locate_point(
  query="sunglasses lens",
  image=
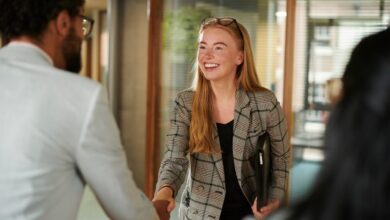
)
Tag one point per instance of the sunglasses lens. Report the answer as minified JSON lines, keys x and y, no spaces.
{"x":210,"y":20}
{"x":222,"y":21}
{"x":226,"y":21}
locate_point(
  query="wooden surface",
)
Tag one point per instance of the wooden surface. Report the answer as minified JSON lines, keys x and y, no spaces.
{"x":155,"y":8}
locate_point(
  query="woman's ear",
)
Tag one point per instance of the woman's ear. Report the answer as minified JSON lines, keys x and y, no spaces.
{"x":240,"y":58}
{"x":63,"y":23}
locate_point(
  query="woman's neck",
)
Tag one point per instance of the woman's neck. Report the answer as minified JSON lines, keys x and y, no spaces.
{"x":224,"y":101}
{"x":224,"y":91}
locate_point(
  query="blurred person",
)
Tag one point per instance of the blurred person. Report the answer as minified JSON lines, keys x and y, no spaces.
{"x":214,"y":130}
{"x":332,"y":89}
{"x":57,"y":132}
{"x":354,"y":181}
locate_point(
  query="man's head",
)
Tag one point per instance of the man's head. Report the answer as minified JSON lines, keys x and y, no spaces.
{"x":55,"y":25}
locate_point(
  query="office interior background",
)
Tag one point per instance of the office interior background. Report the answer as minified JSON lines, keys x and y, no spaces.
{"x":143,"y":52}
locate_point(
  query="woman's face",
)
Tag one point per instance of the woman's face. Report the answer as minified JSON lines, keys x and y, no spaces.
{"x":218,"y":54}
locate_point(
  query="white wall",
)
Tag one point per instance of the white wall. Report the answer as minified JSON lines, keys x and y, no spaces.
{"x":132,"y":76}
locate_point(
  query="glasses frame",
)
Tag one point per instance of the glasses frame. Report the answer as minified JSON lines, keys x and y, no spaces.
{"x":224,"y":21}
{"x":90,"y":21}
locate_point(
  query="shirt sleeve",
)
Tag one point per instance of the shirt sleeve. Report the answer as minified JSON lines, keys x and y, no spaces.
{"x":102,"y":163}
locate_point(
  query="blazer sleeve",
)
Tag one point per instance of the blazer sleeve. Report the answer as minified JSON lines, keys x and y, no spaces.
{"x":280,"y":149}
{"x":175,"y":162}
{"x":101,"y":160}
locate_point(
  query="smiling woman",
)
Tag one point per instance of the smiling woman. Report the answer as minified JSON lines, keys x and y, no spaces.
{"x":214,"y":128}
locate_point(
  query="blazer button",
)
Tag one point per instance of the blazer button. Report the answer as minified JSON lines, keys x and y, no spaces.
{"x":200,"y":188}
{"x":219,"y":192}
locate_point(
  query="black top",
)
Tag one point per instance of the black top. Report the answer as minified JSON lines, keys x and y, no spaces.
{"x":235,"y":206}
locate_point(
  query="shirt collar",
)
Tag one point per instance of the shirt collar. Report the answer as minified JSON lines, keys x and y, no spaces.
{"x":32,"y":46}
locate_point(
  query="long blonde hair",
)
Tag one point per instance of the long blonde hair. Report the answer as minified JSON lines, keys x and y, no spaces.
{"x":202,"y":123}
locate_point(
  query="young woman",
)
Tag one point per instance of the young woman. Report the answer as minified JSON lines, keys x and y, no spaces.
{"x":215,"y":128}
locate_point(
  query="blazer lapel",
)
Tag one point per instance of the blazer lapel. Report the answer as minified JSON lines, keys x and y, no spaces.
{"x":240,"y":130}
{"x":217,"y":158}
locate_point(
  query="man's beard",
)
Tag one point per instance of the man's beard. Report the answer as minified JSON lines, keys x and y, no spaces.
{"x":71,"y":50}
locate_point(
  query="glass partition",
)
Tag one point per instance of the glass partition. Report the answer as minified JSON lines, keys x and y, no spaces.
{"x":265,"y":21}
{"x":326,"y":33}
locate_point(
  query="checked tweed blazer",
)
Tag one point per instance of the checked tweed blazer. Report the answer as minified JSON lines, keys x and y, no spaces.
{"x":204,"y":192}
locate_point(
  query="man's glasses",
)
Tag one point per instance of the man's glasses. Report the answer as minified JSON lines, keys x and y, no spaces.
{"x":87,"y":26}
{"x":225,"y":21}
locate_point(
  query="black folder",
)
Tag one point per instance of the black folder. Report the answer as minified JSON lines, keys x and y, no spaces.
{"x":263,"y":169}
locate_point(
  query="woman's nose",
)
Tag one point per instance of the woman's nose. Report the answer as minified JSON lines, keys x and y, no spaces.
{"x":209,"y":54}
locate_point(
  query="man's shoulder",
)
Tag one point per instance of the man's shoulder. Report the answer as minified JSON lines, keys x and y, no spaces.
{"x":25,"y":62}
{"x":76,"y":80}
{"x":76,"y":87}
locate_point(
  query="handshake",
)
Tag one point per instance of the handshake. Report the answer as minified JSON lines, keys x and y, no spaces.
{"x":161,"y":207}
{"x":164,"y":202}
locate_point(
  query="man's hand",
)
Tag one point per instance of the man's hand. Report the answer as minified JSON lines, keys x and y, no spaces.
{"x":265,"y":210}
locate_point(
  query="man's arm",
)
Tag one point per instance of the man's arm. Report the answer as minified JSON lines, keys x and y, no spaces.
{"x":102,"y":162}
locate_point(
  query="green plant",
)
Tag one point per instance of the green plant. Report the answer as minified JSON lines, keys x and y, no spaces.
{"x":180,"y":30}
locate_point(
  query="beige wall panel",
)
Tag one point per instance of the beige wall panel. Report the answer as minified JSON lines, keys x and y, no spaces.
{"x":132,"y":76}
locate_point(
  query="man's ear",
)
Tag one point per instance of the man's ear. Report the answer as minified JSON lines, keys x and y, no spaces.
{"x":63,"y":23}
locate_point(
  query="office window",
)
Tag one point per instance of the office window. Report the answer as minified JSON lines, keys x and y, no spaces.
{"x":264,"y":20}
{"x":326,"y":31}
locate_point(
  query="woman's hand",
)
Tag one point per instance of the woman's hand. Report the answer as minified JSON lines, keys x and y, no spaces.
{"x":164,"y":202}
{"x":265,"y":210}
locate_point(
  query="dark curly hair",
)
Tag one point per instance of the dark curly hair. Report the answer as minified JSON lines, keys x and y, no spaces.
{"x":31,"y":17}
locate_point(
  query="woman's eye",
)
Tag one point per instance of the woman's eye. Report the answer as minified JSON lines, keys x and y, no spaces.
{"x":219,"y":48}
{"x":202,"y":47}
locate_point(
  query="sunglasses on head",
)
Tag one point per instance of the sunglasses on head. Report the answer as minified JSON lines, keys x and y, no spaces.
{"x":224,"y":21}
